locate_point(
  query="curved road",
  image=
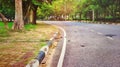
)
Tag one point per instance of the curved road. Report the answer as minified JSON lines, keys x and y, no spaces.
{"x":91,"y":45}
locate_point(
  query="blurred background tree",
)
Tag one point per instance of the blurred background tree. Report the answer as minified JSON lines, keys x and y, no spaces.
{"x":90,"y":10}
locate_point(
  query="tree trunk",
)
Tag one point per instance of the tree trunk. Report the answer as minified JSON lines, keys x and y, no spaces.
{"x":26,"y":17}
{"x":34,"y":14}
{"x":80,"y":16}
{"x":4,"y":19}
{"x":18,"y":22}
{"x":26,"y":11}
{"x":93,"y":15}
{"x":31,"y":16}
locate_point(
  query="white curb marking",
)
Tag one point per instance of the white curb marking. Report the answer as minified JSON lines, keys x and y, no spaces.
{"x":60,"y":62}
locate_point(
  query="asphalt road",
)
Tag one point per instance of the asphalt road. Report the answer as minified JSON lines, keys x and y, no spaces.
{"x":91,"y":45}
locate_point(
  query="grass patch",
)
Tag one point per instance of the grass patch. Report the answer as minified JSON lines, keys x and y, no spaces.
{"x":29,"y":27}
{"x":10,"y":24}
{"x":23,"y":46}
{"x":5,"y":33}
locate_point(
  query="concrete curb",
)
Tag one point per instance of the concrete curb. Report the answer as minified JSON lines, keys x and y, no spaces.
{"x":42,"y":53}
{"x":61,"y":59}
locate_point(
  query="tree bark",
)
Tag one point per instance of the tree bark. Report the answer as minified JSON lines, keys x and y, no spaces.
{"x":26,"y":16}
{"x":18,"y":22}
{"x":4,"y":19}
{"x":34,"y":14}
{"x":80,"y":16}
{"x":93,"y":15}
{"x":26,"y":11}
{"x":31,"y":16}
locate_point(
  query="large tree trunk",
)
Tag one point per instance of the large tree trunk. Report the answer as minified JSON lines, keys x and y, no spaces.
{"x":4,"y":19}
{"x":18,"y":23}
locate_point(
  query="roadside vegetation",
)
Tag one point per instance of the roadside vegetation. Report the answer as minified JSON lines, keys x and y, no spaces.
{"x":88,"y":10}
{"x":17,"y":48}
{"x":5,"y":32}
{"x":82,"y":10}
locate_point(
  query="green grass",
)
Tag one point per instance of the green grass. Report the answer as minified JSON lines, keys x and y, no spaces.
{"x":5,"y":33}
{"x":9,"y":24}
{"x":30,"y":26}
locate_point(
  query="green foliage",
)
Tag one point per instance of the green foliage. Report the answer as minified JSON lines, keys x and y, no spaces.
{"x":7,"y":7}
{"x":37,"y":2}
{"x":81,"y":9}
{"x":44,"y":10}
{"x":58,"y":9}
{"x":102,"y":8}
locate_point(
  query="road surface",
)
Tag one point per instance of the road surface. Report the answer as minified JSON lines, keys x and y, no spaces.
{"x":91,"y":45}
